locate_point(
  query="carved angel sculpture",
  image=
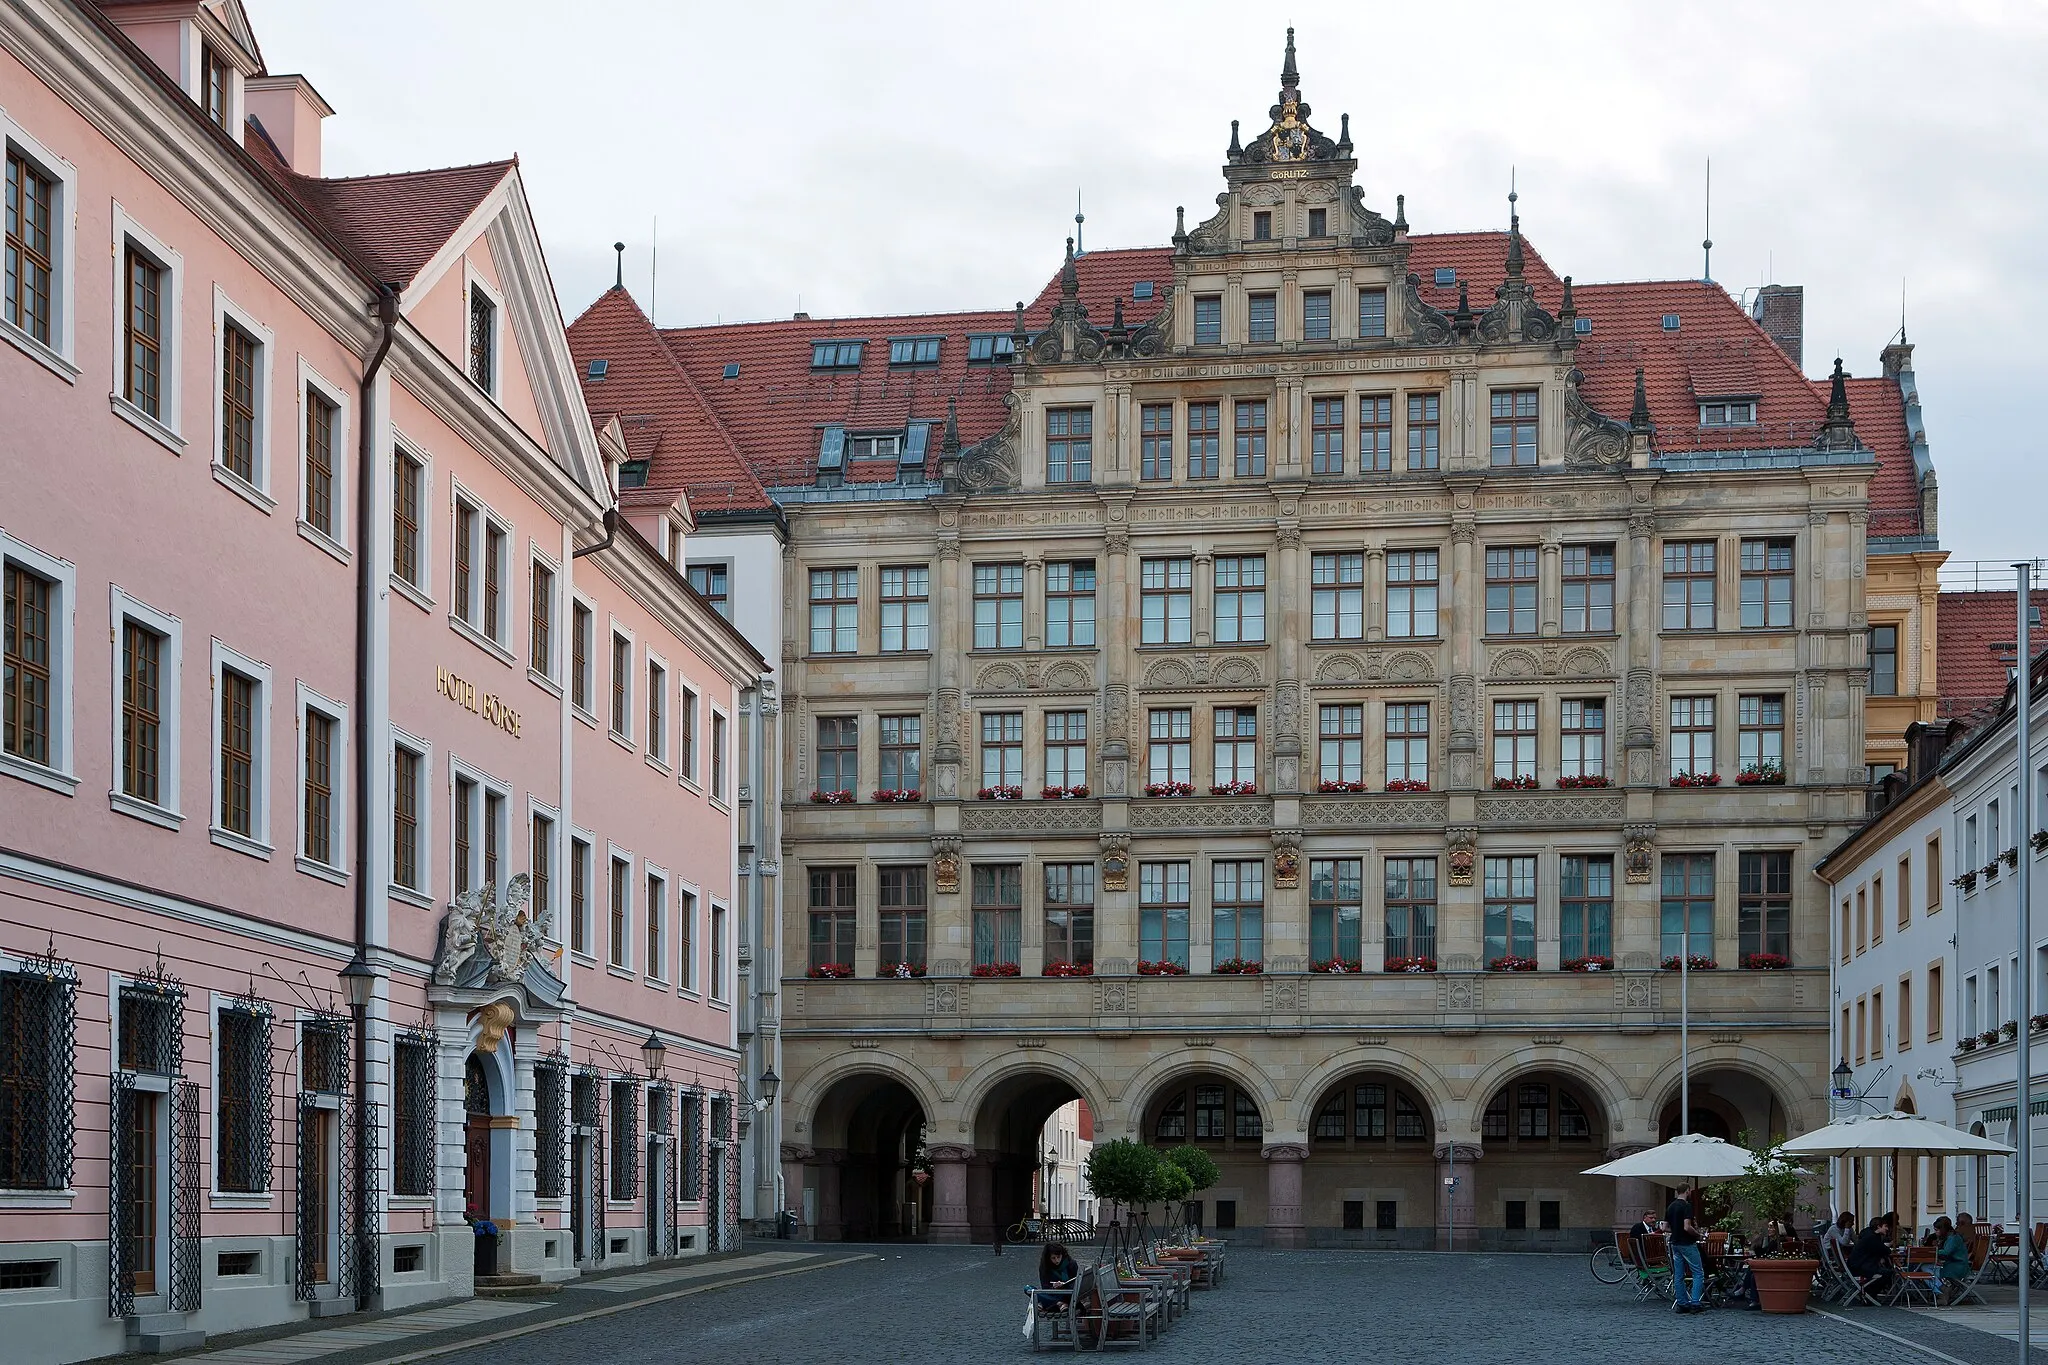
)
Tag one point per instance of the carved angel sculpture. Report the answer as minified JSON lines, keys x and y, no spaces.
{"x":459,"y":930}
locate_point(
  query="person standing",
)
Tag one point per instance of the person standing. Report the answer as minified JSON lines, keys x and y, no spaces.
{"x":1688,"y":1272}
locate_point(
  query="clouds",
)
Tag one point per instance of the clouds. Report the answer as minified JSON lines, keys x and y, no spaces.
{"x":908,"y":157}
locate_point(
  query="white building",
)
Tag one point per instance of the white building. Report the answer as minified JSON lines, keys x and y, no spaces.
{"x":1893,"y":977}
{"x":1983,"y":777}
{"x":1066,"y":1140}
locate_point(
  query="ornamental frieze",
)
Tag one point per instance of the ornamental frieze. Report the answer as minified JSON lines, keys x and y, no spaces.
{"x":1562,"y":808}
{"x":1372,"y":363}
{"x":1191,"y":817}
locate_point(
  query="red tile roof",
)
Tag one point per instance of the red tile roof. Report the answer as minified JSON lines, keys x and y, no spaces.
{"x":1975,"y":636}
{"x":1879,"y":410}
{"x":1103,"y":278}
{"x":1480,"y":262}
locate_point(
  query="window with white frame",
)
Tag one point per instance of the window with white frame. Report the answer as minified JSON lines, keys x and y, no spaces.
{"x":718,"y":930}
{"x":241,"y":389}
{"x":409,"y":807}
{"x":582,"y":653}
{"x":686,"y":736}
{"x":686,"y":939}
{"x":241,"y":752}
{"x":718,"y":727}
{"x":582,"y":893}
{"x":323,"y":782}
{"x":478,"y":832}
{"x":483,"y":338}
{"x":622,"y":684}
{"x":323,"y":457}
{"x":657,"y":711}
{"x":148,"y":664}
{"x":540,"y":618}
{"x":481,"y":568}
{"x":40,"y":236}
{"x":148,"y":287}
{"x":408,"y":532}
{"x":542,"y":858}
{"x":656,"y":917}
{"x":619,"y":908}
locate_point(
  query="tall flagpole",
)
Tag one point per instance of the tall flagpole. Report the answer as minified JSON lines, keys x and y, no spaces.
{"x":2023,"y":886}
{"x":1684,"y":1019}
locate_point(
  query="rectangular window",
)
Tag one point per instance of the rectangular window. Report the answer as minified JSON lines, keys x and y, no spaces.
{"x":1588,"y":590}
{"x":1408,"y":743}
{"x":1169,"y":752}
{"x":242,"y":1102}
{"x":483,"y":340}
{"x":1760,"y":738}
{"x":1692,"y":736}
{"x":1582,"y":732}
{"x":1411,"y":594}
{"x":1514,"y":428}
{"x":1166,"y":601}
{"x":1877,"y":1024}
{"x":142,"y":703}
{"x":714,"y":583}
{"x":541,"y":624}
{"x":903,"y":910}
{"x":906,"y":609}
{"x":999,"y":606}
{"x":1318,"y":222}
{"x":1905,"y":892}
{"x":1163,"y":912}
{"x":621,"y":910}
{"x":835,"y":611}
{"x":1155,"y":441}
{"x":213,"y":79}
{"x":1740,"y":413}
{"x":838,"y":754}
{"x":408,"y":775}
{"x":1336,"y":909}
{"x":1410,"y":885}
{"x":914,"y":351}
{"x":1002,"y":749}
{"x":580,"y":864}
{"x":581,"y":637}
{"x":494,"y":840}
{"x":238,"y":362}
{"x":686,"y":940}
{"x":1240,"y":599}
{"x":1764,"y":907}
{"x":990,"y":349}
{"x":1237,"y":911}
{"x":1932,"y":862}
{"x":540,"y":864}
{"x":1070,"y":604}
{"x":622,"y":686}
{"x":901,"y":753}
{"x":414,"y":1118}
{"x":835,"y":355}
{"x":1688,"y":585}
{"x":1262,"y":318}
{"x":657,"y":927}
{"x":462,"y":827}
{"x":1205,"y":427}
{"x":465,"y":559}
{"x":318,"y":818}
{"x":1905,"y":1034}
{"x":1511,"y":580}
{"x":1070,"y":913}
{"x":1250,"y":418}
{"x":1934,"y":1000}
{"x":1877,"y":909}
{"x":1688,"y":905}
{"x":657,"y":712}
{"x":322,"y":420}
{"x":143,"y":351}
{"x":1766,"y":595}
{"x":1340,"y":737}
{"x":1208,"y":320}
{"x":1326,"y":436}
{"x":238,"y":752}
{"x":31,"y":252}
{"x":1337,"y":596}
{"x":1514,"y":741}
{"x":718,"y":759}
{"x":1372,"y":312}
{"x":1069,"y":444}
{"x":998,"y":901}
{"x":1262,"y":226}
{"x":1237,"y":745}
{"x":1066,"y":749}
{"x":1884,"y":661}
{"x":1375,"y":434}
{"x":408,"y":478}
{"x":1315,"y":313}
{"x":1510,"y":908}
{"x":1424,"y":418}
{"x":1585,"y":907}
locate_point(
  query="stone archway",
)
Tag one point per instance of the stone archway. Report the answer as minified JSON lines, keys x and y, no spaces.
{"x":1258,"y":1183}
{"x":1010,"y":1153}
{"x":1538,"y":1131}
{"x":1372,"y":1176}
{"x":858,"y":1176}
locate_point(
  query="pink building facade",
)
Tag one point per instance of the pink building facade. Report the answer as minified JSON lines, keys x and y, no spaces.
{"x":326,"y":647}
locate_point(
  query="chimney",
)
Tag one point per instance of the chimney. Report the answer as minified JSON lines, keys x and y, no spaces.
{"x":1780,"y":309}
{"x":290,"y":110}
{"x":1925,"y":745}
{"x":1897,"y":358}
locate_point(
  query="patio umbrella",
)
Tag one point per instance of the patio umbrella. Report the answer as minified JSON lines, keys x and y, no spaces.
{"x":1892,"y":1135}
{"x":1692,"y":1156}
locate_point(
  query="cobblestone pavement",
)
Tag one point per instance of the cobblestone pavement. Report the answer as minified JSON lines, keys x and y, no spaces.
{"x":948,"y":1304}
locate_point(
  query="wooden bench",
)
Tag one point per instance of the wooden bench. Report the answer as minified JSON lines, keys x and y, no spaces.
{"x":1109,"y":1313}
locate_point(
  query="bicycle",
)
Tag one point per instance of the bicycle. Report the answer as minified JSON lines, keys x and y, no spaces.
{"x":1608,"y":1267}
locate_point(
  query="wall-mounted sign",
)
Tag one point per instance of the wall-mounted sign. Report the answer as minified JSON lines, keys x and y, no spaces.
{"x":486,"y":704}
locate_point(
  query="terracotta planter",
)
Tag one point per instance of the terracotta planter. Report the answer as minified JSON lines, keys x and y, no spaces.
{"x":1784,"y":1286}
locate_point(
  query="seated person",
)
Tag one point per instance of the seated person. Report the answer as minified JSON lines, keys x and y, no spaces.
{"x":1870,"y":1259}
{"x":1056,"y":1270}
{"x":1952,"y":1259}
{"x":1841,"y":1234}
{"x":1645,"y":1226}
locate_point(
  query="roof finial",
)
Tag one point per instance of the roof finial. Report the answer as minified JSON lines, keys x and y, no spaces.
{"x":949,"y":444}
{"x":1236,"y":149}
{"x":1400,"y":213}
{"x":1290,"y":77}
{"x":1019,"y":338}
{"x":1570,"y":309}
{"x":1344,"y":134}
{"x":1079,"y":218}
{"x":1707,"y":242}
{"x":1837,"y":430}
{"x":1180,"y":225}
{"x":1070,"y":279}
{"x":619,"y":279}
{"x":1514,"y":229}
{"x":1639,"y":415}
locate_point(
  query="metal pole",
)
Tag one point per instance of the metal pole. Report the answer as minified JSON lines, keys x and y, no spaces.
{"x":2022,"y":707}
{"x":1684,"y":1018}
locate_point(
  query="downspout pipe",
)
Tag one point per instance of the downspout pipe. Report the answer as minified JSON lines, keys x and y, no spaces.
{"x":386,"y":307}
{"x":611,"y":531}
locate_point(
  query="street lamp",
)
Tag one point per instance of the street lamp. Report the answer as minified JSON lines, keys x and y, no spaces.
{"x":359,"y":983}
{"x":769,"y":1083}
{"x":1843,"y":1078}
{"x":1052,"y":1163}
{"x":654,"y":1053}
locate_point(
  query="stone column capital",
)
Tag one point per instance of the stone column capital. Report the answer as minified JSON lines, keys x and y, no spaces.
{"x":1284,"y":1151}
{"x":1462,"y":1151}
{"x":949,"y":1151}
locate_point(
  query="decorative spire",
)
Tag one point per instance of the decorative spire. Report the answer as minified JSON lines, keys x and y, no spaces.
{"x":1514,"y":230}
{"x":1290,"y":76}
{"x":1070,"y":279}
{"x":1117,"y":320}
{"x":1462,"y":321}
{"x":1180,"y":227}
{"x":1236,"y":149}
{"x":619,"y":279}
{"x":1400,"y":213}
{"x":1570,"y":309}
{"x":1639,"y":423}
{"x":1837,"y":431}
{"x":949,"y":444}
{"x":1344,"y":134}
{"x":1019,"y":338}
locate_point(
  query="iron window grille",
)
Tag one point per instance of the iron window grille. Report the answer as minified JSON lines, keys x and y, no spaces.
{"x":152,"y":1030}
{"x":38,"y":1073}
{"x":661,"y":1171}
{"x":323,"y":1054}
{"x":243,"y":1093}
{"x":722,"y":1217}
{"x":412,"y":1113}
{"x":586,"y":1111}
{"x":550,"y":1126}
{"x":625,"y":1142}
{"x":693,"y":1148}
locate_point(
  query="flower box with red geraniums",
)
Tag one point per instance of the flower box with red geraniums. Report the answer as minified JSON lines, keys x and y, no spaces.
{"x":1987,"y":1037}
{"x":902,"y":795}
{"x":2011,"y":856}
{"x":1525,"y":783}
{"x":1511,"y":963}
{"x":1238,"y":966}
{"x":1967,"y":881}
{"x":2038,"y":841}
{"x":1968,"y":1044}
{"x":995,"y":969}
{"x":831,"y":971}
{"x":1698,"y":962}
{"x":2037,"y":1022}
{"x":832,"y":798}
{"x":1761,"y":775}
{"x":1068,"y":969}
{"x":1336,"y":784}
{"x":1000,"y":794}
{"x":1766,"y":962}
{"x":1571,"y":783}
{"x":1592,"y":962}
{"x":1410,"y":964}
{"x":1146,"y":968}
{"x":1063,"y":793}
{"x":903,"y":971}
{"x":1695,"y":779}
{"x":1408,"y":784}
{"x":1990,"y":870}
{"x":1237,"y":788}
{"x":1336,"y":966}
{"x":1169,"y":789}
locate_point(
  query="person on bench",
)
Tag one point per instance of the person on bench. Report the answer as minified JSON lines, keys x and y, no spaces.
{"x":1056,"y":1270}
{"x":1870,"y":1260}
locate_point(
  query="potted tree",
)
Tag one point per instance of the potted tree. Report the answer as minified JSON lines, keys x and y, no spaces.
{"x":1200,"y":1169}
{"x":1122,"y":1172}
{"x":1769,"y":1190}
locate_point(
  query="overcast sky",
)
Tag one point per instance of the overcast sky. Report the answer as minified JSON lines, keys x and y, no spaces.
{"x":893,"y":158}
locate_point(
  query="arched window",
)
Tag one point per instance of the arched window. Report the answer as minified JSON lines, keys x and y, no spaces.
{"x":1173,"y":1120}
{"x":1535,"y":1113}
{"x":1369,"y":1106}
{"x":1222,"y":1113}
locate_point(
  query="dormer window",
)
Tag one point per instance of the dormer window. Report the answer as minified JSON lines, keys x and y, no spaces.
{"x":1142,"y":289}
{"x":1445,"y":277}
{"x":213,"y":85}
{"x":483,"y":339}
{"x":990,"y":350}
{"x":633,"y":474}
{"x":914,"y":351}
{"x":1262,"y":226}
{"x":876,"y":445}
{"x":1582,"y":327}
{"x":831,"y":456}
{"x":1318,"y":222}
{"x":596,"y":370}
{"x":836,"y":355}
{"x":1728,"y":412}
{"x":1671,"y":322}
